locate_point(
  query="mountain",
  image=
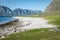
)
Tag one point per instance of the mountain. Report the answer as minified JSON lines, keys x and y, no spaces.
{"x":53,"y":9}
{"x":5,"y":11}
{"x":25,"y":12}
{"x":55,"y":5}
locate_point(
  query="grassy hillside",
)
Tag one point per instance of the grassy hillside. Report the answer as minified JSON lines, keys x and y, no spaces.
{"x":55,"y":20}
{"x":52,"y":13}
{"x":36,"y":34}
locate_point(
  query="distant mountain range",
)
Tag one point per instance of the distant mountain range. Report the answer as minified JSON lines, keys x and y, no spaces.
{"x":25,"y":12}
{"x":5,"y":11}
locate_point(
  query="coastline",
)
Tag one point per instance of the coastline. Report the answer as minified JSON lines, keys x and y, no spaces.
{"x":23,"y":24}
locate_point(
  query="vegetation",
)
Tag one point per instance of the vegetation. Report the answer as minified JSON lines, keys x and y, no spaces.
{"x":41,"y":34}
{"x":36,"y":34}
{"x":54,"y":20}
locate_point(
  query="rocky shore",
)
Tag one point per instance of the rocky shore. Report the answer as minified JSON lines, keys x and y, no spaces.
{"x":9,"y":28}
{"x":24,"y":23}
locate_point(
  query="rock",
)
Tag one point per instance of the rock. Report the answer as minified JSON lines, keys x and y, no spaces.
{"x":2,"y":37}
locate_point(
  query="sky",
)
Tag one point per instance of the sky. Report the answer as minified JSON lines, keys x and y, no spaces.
{"x":26,"y":4}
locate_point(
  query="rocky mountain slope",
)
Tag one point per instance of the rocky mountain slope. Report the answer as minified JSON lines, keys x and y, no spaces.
{"x":53,"y":9}
{"x":55,"y":5}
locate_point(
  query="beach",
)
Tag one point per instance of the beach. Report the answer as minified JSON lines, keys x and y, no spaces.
{"x":23,"y":24}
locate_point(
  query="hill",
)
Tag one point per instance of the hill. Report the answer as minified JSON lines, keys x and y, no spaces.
{"x":54,"y":6}
{"x":53,"y":9}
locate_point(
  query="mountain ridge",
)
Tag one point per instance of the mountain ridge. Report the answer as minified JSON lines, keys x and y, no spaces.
{"x":5,"y":11}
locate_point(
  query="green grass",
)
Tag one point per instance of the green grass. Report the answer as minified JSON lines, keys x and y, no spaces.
{"x":54,"y":20}
{"x":36,"y":34}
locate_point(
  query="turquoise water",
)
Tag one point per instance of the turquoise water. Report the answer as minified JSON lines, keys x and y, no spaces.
{"x":6,"y":19}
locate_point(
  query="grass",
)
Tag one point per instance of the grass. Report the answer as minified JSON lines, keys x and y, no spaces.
{"x":36,"y":34}
{"x":54,"y":20}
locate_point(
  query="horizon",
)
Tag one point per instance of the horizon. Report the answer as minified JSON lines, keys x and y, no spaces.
{"x":26,"y":4}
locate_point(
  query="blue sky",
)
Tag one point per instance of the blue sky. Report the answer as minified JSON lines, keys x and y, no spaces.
{"x":26,"y":4}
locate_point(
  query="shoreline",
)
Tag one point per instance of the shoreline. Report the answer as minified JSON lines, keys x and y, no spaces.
{"x":25,"y":23}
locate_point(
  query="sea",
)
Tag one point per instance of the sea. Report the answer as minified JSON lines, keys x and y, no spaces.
{"x":4,"y":20}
